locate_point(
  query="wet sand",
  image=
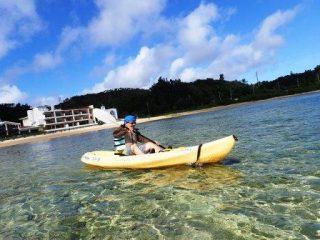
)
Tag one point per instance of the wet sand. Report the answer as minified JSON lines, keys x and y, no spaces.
{"x":83,"y":130}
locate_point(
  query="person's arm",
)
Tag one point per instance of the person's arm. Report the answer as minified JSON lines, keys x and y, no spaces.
{"x":120,"y":132}
{"x":141,"y":138}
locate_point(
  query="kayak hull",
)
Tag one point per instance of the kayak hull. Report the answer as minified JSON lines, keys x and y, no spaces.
{"x":211,"y":152}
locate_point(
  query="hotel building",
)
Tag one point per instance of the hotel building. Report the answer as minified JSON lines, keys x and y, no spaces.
{"x":59,"y":119}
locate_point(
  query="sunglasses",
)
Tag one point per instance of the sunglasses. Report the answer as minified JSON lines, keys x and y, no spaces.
{"x":132,"y":122}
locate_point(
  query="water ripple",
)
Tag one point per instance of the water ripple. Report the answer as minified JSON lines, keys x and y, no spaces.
{"x":268,"y":188}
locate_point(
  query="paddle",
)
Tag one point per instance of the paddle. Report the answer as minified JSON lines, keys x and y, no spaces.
{"x":150,"y":140}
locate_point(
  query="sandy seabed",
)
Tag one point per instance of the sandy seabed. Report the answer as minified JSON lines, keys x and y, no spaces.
{"x":83,"y":130}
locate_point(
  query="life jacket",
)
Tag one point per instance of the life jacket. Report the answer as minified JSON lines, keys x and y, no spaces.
{"x":119,"y":145}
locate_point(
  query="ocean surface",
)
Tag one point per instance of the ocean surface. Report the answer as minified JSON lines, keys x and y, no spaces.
{"x":267,"y":188}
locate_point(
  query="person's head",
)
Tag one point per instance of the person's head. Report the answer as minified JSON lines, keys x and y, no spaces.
{"x":130,"y":120}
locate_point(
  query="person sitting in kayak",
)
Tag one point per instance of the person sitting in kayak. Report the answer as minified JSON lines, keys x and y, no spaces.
{"x":132,"y":136}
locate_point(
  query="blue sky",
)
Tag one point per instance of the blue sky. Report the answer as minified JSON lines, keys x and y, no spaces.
{"x":52,"y":50}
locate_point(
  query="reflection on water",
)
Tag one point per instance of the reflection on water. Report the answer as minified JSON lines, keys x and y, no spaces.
{"x":268,"y":188}
{"x":185,"y":177}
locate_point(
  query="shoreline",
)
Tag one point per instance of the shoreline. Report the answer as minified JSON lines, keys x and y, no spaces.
{"x":84,"y":130}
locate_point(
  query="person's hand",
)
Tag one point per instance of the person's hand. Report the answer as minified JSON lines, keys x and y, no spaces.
{"x":129,"y":128}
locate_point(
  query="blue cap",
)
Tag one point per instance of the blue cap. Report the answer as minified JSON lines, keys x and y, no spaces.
{"x":130,"y":119}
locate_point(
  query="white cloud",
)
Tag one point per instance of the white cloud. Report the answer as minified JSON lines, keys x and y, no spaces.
{"x":266,"y":37}
{"x":191,"y":74}
{"x":19,"y":21}
{"x":196,"y":34}
{"x":212,"y":55}
{"x":5,"y":45}
{"x":198,"y":52}
{"x":176,"y":66}
{"x":195,"y":28}
{"x":117,"y":22}
{"x":12,"y":73}
{"x":69,"y":37}
{"x":45,"y":61}
{"x":120,"y":20}
{"x":11,"y":94}
{"x":46,"y":101}
{"x":107,"y":63}
{"x":186,"y":47}
{"x":240,"y":58}
{"x":49,"y":60}
{"x":141,"y":71}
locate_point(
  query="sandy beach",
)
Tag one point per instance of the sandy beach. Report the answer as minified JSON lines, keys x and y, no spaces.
{"x":83,"y":130}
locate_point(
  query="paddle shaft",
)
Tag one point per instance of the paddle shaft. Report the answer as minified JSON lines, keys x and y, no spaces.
{"x":150,"y":140}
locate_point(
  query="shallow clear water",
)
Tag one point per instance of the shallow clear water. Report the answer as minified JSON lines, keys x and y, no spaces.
{"x":268,"y":188}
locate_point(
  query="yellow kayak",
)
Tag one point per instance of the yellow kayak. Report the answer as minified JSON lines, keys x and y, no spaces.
{"x":211,"y":152}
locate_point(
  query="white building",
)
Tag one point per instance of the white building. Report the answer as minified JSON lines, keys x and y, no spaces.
{"x":58,"y":119}
{"x":35,"y":117}
{"x":112,"y":111}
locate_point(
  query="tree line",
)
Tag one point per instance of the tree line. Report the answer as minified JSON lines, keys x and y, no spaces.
{"x":173,"y":95}
{"x":13,"y":112}
{"x":167,"y":96}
